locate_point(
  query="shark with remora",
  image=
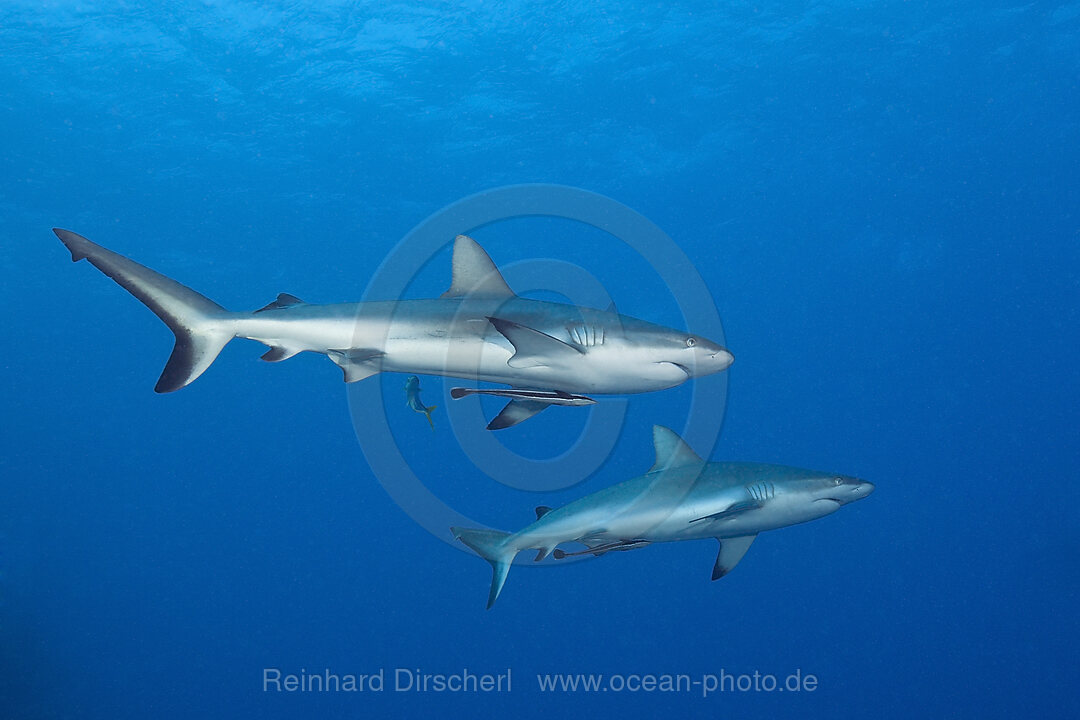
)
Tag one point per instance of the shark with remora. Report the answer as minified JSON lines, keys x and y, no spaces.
{"x":681,"y":497}
{"x":548,"y":353}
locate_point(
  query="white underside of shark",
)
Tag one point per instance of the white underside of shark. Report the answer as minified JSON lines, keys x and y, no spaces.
{"x":548,"y":353}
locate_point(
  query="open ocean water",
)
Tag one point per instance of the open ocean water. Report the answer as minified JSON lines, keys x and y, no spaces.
{"x":881,"y":198}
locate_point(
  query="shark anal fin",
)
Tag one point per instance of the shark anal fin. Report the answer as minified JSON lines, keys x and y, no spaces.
{"x":731,"y":511}
{"x":730,"y":553}
{"x":356,"y":363}
{"x":277,"y":353}
{"x":516,"y":411}
{"x":283,"y":300}
{"x":533,"y":348}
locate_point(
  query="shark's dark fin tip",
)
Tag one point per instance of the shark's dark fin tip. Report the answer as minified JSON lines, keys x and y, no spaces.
{"x":516,"y":411}
{"x":730,"y":553}
{"x":541,"y":511}
{"x":277,"y":354}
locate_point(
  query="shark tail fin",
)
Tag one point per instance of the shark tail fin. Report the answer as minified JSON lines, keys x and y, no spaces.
{"x":427,"y":412}
{"x":490,"y":545}
{"x":198,"y":323}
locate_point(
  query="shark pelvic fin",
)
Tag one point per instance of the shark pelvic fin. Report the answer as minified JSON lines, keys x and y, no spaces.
{"x":672,"y":451}
{"x":199,"y":324}
{"x":516,"y":411}
{"x":473,"y":273}
{"x":730,"y":553}
{"x":533,"y":348}
{"x":283,"y":300}
{"x":357,"y":363}
{"x":490,"y":545}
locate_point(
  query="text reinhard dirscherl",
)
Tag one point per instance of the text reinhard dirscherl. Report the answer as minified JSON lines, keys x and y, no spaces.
{"x":467,"y":681}
{"x":398,"y":680}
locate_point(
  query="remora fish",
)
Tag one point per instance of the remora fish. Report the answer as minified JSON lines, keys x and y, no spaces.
{"x":412,"y":399}
{"x":478,"y":330}
{"x":681,"y":497}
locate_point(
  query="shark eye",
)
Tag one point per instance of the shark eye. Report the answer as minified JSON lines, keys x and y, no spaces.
{"x":838,"y":480}
{"x":690,"y":342}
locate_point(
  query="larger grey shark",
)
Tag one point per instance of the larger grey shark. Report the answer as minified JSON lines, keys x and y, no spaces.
{"x":479,"y":329}
{"x":681,"y":497}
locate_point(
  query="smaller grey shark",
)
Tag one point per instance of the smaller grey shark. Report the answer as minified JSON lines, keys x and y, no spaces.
{"x":412,"y":399}
{"x":682,"y":497}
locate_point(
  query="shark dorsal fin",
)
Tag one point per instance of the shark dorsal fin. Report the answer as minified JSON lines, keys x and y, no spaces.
{"x":283,"y":300}
{"x":473,"y":272}
{"x":541,"y":511}
{"x":672,"y":451}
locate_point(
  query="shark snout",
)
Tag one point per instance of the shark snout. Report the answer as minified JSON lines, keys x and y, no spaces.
{"x":723,"y":357}
{"x":860,"y":490}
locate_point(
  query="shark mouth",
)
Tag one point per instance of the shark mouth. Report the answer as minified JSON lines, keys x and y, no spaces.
{"x":675,"y":364}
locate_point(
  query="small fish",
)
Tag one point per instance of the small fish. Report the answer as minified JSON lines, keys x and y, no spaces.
{"x":412,"y":399}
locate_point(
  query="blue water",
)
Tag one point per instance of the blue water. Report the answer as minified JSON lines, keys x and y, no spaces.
{"x":882,"y":200}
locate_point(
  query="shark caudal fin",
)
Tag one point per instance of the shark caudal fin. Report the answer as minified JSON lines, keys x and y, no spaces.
{"x":196,"y":321}
{"x":490,"y":545}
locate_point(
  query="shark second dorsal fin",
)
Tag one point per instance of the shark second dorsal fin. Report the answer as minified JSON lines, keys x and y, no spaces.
{"x":473,"y":272}
{"x":283,"y":300}
{"x":672,"y":451}
{"x":541,"y":511}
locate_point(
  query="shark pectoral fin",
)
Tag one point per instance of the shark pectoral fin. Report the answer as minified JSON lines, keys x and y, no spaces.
{"x":731,"y":552}
{"x":533,"y":348}
{"x":516,"y":411}
{"x":731,"y":511}
{"x":277,"y":353}
{"x":357,"y":363}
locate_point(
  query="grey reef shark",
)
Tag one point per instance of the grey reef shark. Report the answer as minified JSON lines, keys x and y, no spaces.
{"x":547,"y":353}
{"x":681,"y":497}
